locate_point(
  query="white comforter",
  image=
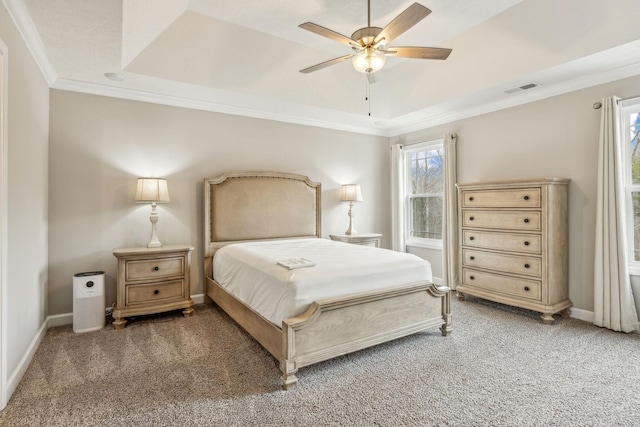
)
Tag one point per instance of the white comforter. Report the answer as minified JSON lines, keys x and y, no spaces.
{"x":251,"y":272}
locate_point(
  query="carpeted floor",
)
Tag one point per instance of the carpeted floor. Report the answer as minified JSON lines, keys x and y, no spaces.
{"x":500,"y":366}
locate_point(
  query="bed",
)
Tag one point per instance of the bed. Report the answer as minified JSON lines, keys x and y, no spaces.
{"x":278,"y":216}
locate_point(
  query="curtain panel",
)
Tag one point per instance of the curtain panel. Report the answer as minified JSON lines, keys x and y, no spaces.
{"x":450,"y":215}
{"x":397,"y":198}
{"x":614,"y":307}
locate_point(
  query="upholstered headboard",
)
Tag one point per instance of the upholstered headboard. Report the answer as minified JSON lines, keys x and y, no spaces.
{"x":242,"y":206}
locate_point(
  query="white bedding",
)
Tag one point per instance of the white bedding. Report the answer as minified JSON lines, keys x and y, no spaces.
{"x":251,"y":272}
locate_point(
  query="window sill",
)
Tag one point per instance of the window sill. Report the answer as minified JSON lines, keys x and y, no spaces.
{"x":634,"y":270}
{"x":435,"y":245}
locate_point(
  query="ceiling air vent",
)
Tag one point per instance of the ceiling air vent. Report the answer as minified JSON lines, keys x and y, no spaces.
{"x":523,"y":88}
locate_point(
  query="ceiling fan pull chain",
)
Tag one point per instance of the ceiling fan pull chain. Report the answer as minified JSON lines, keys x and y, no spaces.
{"x":368,"y":98}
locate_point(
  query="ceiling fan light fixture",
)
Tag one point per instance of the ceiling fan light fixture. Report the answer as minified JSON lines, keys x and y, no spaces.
{"x":369,"y":60}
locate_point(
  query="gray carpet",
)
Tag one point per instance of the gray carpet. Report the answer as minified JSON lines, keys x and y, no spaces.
{"x":500,"y":366}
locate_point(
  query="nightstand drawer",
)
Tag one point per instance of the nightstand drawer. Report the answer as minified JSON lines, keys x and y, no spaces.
{"x":530,"y":289}
{"x":507,"y":220}
{"x":517,"y":264}
{"x":150,"y":269}
{"x":515,"y":198}
{"x":529,"y":243}
{"x":156,"y":293}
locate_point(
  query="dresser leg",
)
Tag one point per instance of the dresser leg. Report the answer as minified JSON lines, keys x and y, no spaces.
{"x":187,"y":312}
{"x":547,"y":318}
{"x":119,"y":323}
{"x":566,"y":312}
{"x":459,"y":296}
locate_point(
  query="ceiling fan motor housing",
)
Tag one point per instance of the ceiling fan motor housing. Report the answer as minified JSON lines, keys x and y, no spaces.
{"x":365,"y":36}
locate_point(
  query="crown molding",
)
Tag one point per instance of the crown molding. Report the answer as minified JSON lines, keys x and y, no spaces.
{"x":204,"y":105}
{"x":403,"y":127}
{"x":27,"y":29}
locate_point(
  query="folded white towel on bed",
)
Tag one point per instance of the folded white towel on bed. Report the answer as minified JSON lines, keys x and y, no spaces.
{"x":292,"y":263}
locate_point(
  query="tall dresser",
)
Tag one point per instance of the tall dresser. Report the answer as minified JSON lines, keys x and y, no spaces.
{"x":513,"y":244}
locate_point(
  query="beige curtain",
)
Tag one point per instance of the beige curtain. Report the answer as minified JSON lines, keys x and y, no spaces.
{"x":397,"y":198}
{"x":450,"y":217}
{"x":614,"y":307}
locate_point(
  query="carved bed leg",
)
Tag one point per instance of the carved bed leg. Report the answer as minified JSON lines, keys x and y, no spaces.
{"x":446,"y":328}
{"x":288,"y":378}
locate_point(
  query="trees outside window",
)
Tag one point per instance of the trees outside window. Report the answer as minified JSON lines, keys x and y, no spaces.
{"x":425,"y":193}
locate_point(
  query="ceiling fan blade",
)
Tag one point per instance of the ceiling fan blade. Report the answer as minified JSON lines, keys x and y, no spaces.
{"x":418,"y":52}
{"x":325,"y":64}
{"x":330,"y":34}
{"x":401,"y":23}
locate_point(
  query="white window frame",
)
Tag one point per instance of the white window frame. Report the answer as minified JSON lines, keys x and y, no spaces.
{"x":629,"y":107}
{"x":420,"y":242}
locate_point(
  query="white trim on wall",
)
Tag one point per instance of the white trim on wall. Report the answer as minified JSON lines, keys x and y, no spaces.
{"x":4,"y":108}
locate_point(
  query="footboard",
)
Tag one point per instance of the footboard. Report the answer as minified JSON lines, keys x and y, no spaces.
{"x":338,"y":326}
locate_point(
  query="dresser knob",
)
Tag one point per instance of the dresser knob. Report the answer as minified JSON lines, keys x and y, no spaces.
{"x":472,"y":258}
{"x":471,"y":218}
{"x":471,"y":277}
{"x":156,"y":292}
{"x":526,"y":220}
{"x":526,"y":266}
{"x":526,"y":197}
{"x":156,"y":268}
{"x":471,"y":238}
{"x":526,"y":243}
{"x":471,"y":199}
{"x":526,"y":288}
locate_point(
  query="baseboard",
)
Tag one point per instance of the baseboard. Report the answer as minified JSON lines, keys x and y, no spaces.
{"x":580,"y":314}
{"x":16,"y":376}
{"x":67,"y":318}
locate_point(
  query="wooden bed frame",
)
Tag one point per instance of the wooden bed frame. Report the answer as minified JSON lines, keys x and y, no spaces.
{"x":250,"y":206}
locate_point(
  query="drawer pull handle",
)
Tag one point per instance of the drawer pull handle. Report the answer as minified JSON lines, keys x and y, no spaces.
{"x":471,"y":238}
{"x":471,"y":277}
{"x":526,"y":220}
{"x":526,"y":243}
{"x":156,"y":268}
{"x":526,"y":288}
{"x":156,"y":292}
{"x":472,"y":258}
{"x":526,"y":266}
{"x":526,"y":197}
{"x":471,"y":218}
{"x":471,"y":199}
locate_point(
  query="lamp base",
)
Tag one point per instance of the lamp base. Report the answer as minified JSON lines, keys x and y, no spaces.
{"x":351,"y":230}
{"x":154,"y":242}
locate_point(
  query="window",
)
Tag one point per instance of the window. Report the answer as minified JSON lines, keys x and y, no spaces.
{"x":630,"y":115}
{"x":424,"y":189}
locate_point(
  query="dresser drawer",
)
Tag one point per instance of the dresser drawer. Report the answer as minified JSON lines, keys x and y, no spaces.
{"x":528,"y":243}
{"x":507,"y":220}
{"x":155,"y":293}
{"x":522,"y":288}
{"x":516,"y":264}
{"x":150,"y":269}
{"x":513,"y":198}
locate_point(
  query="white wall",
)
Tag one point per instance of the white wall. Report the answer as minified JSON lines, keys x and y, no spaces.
{"x":100,"y":145}
{"x":26,"y":251}
{"x":555,"y":137}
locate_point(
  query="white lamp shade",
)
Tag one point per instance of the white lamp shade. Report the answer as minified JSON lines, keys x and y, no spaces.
{"x":350,"y":193}
{"x":152,"y":190}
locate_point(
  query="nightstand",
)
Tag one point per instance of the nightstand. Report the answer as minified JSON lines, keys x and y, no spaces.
{"x":152,"y":280}
{"x":365,"y":239}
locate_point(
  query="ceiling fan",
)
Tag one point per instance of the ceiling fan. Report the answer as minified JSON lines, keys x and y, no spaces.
{"x":371,"y":43}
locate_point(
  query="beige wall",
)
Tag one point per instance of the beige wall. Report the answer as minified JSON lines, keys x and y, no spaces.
{"x":27,"y":120}
{"x":100,"y":145}
{"x":555,"y":137}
